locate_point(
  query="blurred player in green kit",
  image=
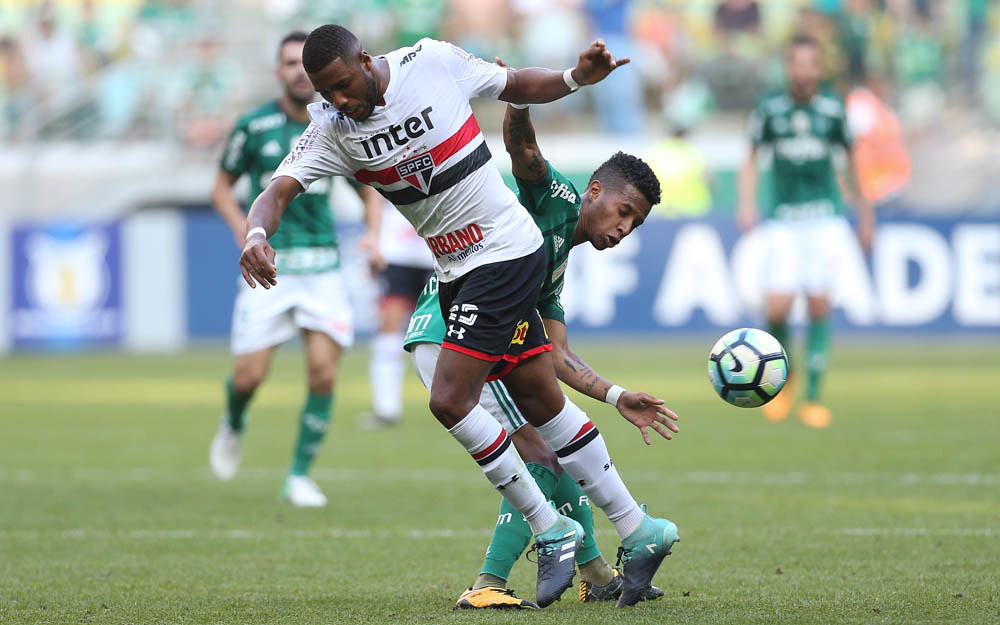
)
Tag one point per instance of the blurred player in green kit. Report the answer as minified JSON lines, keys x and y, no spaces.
{"x":312,"y":300}
{"x":804,"y":229}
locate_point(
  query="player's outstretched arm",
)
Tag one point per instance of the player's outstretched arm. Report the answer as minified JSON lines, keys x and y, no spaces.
{"x":369,"y":242}
{"x":536,"y":85}
{"x":747,"y":215}
{"x":257,"y":259}
{"x":519,"y":138}
{"x":866,"y":212}
{"x":225,"y":204}
{"x":640,"y":409}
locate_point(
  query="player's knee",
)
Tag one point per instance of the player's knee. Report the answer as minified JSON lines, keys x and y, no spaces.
{"x":449,"y":405}
{"x":248,"y":376}
{"x":247,"y":382}
{"x":322,"y":377}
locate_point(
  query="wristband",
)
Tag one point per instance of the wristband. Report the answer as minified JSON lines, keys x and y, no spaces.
{"x":613,"y":394}
{"x":568,"y":79}
{"x":519,"y":107}
{"x":254,"y":231}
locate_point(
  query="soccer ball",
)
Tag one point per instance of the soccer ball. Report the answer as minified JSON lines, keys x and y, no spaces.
{"x":747,"y":367}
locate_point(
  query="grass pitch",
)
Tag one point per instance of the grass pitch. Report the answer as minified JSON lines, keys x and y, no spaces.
{"x":109,"y":514}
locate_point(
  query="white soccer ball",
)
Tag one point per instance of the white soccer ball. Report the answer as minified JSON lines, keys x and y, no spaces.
{"x":747,"y":367}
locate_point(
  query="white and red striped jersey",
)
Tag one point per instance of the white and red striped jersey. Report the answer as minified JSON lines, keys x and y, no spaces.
{"x":425,"y":153}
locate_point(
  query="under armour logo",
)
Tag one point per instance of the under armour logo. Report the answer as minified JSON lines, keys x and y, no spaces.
{"x":453,"y":332}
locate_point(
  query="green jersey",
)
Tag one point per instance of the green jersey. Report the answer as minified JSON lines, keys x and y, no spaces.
{"x":554,"y":204}
{"x":306,"y":241}
{"x":804,"y":180}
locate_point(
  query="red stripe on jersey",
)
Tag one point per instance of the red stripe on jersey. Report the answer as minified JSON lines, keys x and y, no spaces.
{"x":440,"y":153}
{"x":588,"y":426}
{"x":499,"y":441}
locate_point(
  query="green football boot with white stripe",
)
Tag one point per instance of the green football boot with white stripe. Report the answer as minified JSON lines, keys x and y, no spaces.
{"x":641,"y":553}
{"x":556,"y":549}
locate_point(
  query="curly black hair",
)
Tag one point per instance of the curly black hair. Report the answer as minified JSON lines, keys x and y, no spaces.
{"x":326,"y":43}
{"x":622,"y":169}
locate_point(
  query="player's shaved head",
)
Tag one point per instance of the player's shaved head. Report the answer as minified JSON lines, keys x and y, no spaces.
{"x":624,"y":169}
{"x":327,"y":43}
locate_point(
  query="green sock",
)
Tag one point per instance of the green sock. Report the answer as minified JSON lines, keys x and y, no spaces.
{"x":779,"y":330}
{"x":512,"y":533}
{"x":818,"y":354}
{"x":236,"y":405}
{"x":313,"y":424}
{"x":571,"y":501}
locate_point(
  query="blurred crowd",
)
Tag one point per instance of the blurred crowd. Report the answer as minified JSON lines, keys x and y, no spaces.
{"x":181,"y":68}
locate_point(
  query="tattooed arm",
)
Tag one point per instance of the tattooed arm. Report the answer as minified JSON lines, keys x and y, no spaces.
{"x":641,"y":410}
{"x":570,"y":368}
{"x":519,"y":138}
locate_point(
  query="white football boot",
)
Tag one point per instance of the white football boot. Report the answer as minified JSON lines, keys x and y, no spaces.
{"x":224,"y":454}
{"x":301,"y":491}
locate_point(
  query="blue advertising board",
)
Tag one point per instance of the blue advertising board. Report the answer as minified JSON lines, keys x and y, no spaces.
{"x":66,"y":285}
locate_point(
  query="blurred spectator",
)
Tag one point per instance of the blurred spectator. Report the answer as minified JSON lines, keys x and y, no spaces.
{"x":416,"y":19}
{"x":618,"y":100}
{"x":977,"y":13}
{"x":15,"y":98}
{"x":919,"y":60}
{"x":482,"y":27}
{"x":733,"y":16}
{"x":205,"y":86}
{"x":53,"y":62}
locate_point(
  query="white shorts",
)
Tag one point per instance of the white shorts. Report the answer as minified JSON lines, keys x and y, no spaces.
{"x":494,"y":398}
{"x":804,"y":255}
{"x":263,"y":318}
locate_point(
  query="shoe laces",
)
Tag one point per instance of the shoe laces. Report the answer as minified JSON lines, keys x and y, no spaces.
{"x":543,"y":548}
{"x":624,"y":557}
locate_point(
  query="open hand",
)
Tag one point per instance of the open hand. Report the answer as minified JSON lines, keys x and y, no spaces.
{"x":645,"y":411}
{"x":595,"y":63}
{"x":257,"y":262}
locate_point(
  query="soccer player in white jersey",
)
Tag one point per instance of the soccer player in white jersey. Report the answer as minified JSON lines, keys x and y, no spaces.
{"x":402,"y":123}
{"x":403,"y":263}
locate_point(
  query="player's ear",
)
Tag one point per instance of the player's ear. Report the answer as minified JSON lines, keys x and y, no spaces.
{"x":594,"y":189}
{"x":365,"y":59}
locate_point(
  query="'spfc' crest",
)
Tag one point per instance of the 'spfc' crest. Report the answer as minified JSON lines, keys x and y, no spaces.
{"x":417,"y":172}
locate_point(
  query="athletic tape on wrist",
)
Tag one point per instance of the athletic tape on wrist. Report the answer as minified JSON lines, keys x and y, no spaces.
{"x":613,"y":394}
{"x":568,"y":79}
{"x":254,"y":231}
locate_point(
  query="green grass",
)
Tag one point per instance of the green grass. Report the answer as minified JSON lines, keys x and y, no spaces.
{"x":108,"y":513}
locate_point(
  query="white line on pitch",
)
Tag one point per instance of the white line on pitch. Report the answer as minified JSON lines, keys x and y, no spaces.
{"x":417,"y":534}
{"x":771,"y":478}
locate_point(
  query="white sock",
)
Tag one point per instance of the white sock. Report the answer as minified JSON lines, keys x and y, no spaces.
{"x":490,"y":446}
{"x":584,"y":455}
{"x":387,"y":369}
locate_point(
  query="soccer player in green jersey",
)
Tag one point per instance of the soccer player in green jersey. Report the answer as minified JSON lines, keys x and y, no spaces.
{"x":804,"y":227}
{"x":312,"y":298}
{"x":617,"y":200}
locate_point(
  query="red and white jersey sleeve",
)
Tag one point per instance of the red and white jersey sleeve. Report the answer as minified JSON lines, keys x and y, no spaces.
{"x":424,"y":151}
